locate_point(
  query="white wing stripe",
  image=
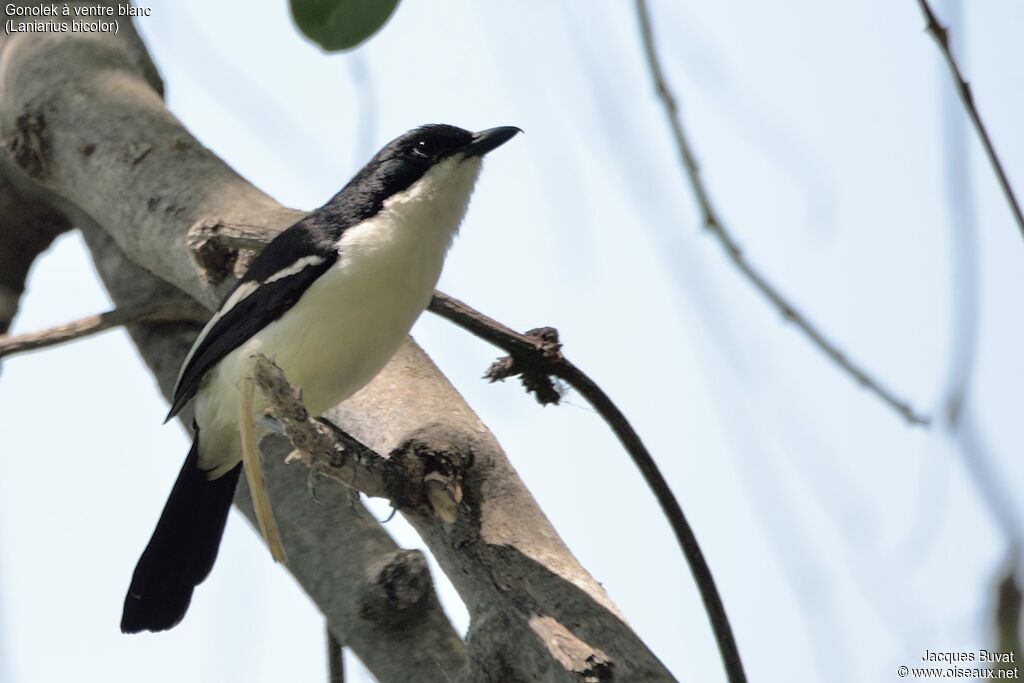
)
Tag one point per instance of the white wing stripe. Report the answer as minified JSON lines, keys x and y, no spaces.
{"x":244,"y":291}
{"x":295,"y":268}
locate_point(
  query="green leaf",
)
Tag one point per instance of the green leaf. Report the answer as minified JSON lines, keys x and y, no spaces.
{"x":337,"y":25}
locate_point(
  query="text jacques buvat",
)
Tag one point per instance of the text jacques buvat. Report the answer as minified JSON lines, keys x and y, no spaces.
{"x":68,"y":18}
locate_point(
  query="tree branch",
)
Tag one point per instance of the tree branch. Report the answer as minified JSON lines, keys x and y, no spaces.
{"x":536,"y":356}
{"x":1008,"y":611}
{"x":330,"y":451}
{"x":732,"y":249}
{"x":27,"y":228}
{"x":335,"y":659}
{"x":252,"y":467}
{"x":941,"y":35}
{"x":437,"y":478}
{"x":187,"y":311}
{"x":959,"y":420}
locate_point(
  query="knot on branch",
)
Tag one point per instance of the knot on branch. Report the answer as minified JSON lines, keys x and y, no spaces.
{"x":589,"y":664}
{"x":221,"y":249}
{"x":597,"y":670}
{"x":534,"y":367}
{"x":396,"y":588}
{"x":29,"y":146}
{"x":433,"y":463}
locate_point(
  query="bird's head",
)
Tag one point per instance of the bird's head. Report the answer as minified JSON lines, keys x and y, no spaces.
{"x":432,"y":162}
{"x":424,"y":147}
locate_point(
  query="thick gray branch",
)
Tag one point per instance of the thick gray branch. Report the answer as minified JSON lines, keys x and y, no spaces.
{"x":27,"y":227}
{"x":94,"y":324}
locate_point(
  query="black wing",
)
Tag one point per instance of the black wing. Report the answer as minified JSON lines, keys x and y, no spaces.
{"x":277,"y":278}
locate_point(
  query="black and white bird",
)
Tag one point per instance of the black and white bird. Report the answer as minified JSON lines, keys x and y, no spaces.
{"x":330,"y":299}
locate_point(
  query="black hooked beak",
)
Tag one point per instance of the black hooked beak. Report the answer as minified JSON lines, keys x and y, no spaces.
{"x":487,"y":140}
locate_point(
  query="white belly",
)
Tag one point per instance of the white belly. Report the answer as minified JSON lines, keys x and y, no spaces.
{"x":337,"y":337}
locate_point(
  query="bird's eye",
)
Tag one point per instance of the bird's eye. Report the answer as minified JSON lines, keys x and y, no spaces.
{"x":421,"y":149}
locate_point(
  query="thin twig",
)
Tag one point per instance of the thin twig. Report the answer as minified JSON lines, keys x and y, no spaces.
{"x":335,"y":659}
{"x":732,"y":249}
{"x":543,"y":352}
{"x":94,"y":324}
{"x":959,"y":418}
{"x":1008,"y":612}
{"x":941,"y":35}
{"x":252,"y":464}
{"x":319,"y":444}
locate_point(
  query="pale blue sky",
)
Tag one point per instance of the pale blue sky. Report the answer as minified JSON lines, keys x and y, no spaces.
{"x":844,"y":542}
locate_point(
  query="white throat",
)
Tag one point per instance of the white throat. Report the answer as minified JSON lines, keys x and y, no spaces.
{"x":415,"y":227}
{"x":437,"y":201}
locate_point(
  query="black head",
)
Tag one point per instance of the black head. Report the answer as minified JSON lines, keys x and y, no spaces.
{"x":435,"y":142}
{"x":405,"y":160}
{"x":424,"y":146}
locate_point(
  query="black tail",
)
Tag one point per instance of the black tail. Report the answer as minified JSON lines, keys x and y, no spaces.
{"x":182,"y":550}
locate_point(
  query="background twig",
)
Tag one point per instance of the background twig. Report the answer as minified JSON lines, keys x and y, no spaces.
{"x":941,"y":35}
{"x":94,"y":324}
{"x":541,"y":351}
{"x":958,"y":411}
{"x":335,"y":659}
{"x":732,"y":249}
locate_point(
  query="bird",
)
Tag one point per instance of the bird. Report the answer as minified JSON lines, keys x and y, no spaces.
{"x":330,"y":299}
